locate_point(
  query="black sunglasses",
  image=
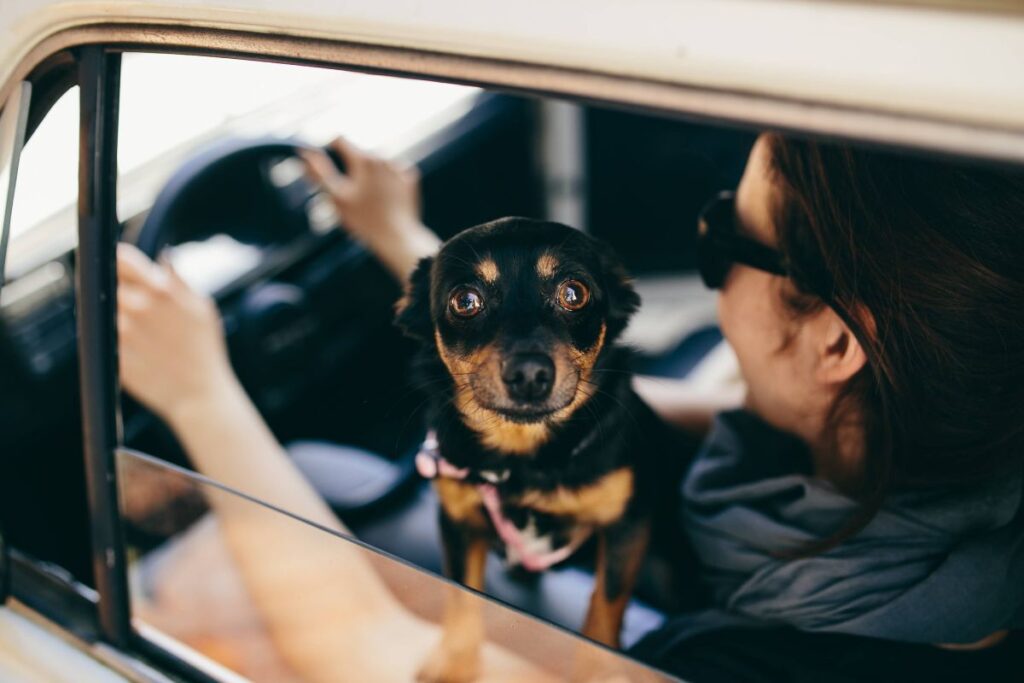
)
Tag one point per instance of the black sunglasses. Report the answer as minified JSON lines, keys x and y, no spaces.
{"x":719,"y":244}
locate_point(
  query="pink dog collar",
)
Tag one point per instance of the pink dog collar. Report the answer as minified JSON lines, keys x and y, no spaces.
{"x":430,"y":464}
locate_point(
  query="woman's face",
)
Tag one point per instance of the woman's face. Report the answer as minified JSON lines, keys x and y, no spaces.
{"x":779,"y":354}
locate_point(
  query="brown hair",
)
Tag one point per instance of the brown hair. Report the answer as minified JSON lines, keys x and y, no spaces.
{"x":924,"y":261}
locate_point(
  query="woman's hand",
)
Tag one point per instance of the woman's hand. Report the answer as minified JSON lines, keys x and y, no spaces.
{"x":378,"y":203}
{"x":173,"y":357}
{"x":374,"y":197}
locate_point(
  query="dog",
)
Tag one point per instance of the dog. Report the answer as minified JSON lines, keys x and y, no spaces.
{"x":537,"y":444}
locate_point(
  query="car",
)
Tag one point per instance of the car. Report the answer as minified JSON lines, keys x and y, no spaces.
{"x":176,"y":127}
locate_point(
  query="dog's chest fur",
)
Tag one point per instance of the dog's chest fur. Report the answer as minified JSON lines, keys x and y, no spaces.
{"x":584,"y":478}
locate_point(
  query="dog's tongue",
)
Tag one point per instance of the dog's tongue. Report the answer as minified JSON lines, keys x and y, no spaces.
{"x":430,"y":465}
{"x":518,"y":548}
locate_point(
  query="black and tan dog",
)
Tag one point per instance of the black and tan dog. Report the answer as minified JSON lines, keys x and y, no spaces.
{"x":538,"y":441}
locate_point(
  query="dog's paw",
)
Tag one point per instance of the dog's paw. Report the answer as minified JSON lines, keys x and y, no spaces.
{"x":449,"y":666}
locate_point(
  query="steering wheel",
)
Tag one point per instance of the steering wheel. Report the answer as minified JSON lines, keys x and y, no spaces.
{"x":250,"y":189}
{"x":256,"y":192}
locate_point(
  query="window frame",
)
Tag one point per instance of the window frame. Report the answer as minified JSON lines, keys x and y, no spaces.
{"x":703,"y":103}
{"x":98,"y":50}
{"x":14,"y":114}
{"x":99,"y":69}
{"x":96,"y":308}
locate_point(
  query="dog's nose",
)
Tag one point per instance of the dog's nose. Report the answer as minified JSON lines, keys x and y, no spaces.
{"x":528,"y":376}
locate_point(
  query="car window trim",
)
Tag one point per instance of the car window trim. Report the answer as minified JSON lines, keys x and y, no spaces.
{"x":13,"y":126}
{"x":700,"y":104}
{"x":96,"y":308}
{"x":99,"y":70}
{"x":891,"y":129}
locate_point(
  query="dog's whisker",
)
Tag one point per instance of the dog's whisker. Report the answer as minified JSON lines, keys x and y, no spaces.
{"x":396,"y":403}
{"x":625,"y":409}
{"x":405,"y":424}
{"x":475,"y":252}
{"x":459,"y":259}
{"x":597,"y":420}
{"x":620,"y":372}
{"x":414,"y":387}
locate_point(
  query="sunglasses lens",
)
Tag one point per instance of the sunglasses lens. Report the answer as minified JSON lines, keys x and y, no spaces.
{"x":711,"y":263}
{"x":713,"y":259}
{"x":712,"y":269}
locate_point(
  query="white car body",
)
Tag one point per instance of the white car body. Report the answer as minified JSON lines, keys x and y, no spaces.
{"x":935,"y":74}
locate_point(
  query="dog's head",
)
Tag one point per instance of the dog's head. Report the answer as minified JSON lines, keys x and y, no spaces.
{"x":519,"y":311}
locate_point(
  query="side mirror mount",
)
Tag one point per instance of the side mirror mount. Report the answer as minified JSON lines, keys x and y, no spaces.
{"x":13,"y":121}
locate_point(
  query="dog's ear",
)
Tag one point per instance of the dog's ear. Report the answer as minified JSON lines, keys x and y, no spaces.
{"x":623,"y":301}
{"x":412,"y":312}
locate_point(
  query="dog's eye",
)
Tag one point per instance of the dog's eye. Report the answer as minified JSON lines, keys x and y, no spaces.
{"x":573,"y":295}
{"x":466,"y":302}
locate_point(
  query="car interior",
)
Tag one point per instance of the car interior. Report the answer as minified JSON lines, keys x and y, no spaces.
{"x":307,"y":311}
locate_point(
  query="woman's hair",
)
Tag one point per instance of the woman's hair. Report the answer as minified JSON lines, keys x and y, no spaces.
{"x":924,"y":261}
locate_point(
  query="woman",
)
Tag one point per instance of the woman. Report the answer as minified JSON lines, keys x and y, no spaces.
{"x":869,"y":493}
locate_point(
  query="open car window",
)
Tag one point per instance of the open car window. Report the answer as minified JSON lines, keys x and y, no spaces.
{"x":209,"y":177}
{"x":188,"y":596}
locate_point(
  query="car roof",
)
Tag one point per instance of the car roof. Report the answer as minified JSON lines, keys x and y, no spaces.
{"x":941,"y":61}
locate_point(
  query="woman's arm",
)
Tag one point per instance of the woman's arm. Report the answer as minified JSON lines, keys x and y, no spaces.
{"x":378,"y":203}
{"x":328,"y":611}
{"x":174,"y":361}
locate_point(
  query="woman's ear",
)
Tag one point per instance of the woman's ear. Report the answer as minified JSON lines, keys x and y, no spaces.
{"x":840,"y":353}
{"x":412,"y":312}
